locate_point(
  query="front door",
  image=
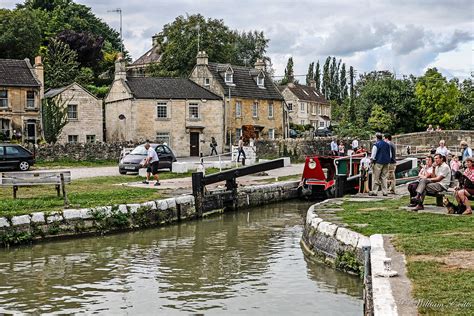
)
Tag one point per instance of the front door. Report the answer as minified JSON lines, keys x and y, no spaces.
{"x":194,"y":144}
{"x":31,"y":129}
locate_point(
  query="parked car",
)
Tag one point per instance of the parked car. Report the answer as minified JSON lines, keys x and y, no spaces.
{"x":131,"y":162}
{"x":15,"y":157}
{"x":294,"y":133}
{"x":323,"y":131}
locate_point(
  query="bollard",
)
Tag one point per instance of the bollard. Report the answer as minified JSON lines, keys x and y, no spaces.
{"x":340,"y":185}
{"x":243,"y":161}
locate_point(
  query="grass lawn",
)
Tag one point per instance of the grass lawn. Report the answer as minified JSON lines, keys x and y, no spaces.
{"x":69,"y":163}
{"x":439,"y":251}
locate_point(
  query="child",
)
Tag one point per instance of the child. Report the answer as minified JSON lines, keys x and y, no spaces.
{"x":455,"y":164}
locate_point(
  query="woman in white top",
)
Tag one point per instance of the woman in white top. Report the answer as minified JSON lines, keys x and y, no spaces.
{"x":442,"y":149}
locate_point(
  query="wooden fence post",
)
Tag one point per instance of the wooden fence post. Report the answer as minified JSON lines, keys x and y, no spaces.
{"x":198,"y":192}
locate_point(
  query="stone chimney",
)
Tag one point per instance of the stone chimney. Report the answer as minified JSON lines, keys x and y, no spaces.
{"x":155,"y":41}
{"x":202,"y":58}
{"x":120,"y":70}
{"x":312,"y":83}
{"x":260,"y":64}
{"x":39,"y":71}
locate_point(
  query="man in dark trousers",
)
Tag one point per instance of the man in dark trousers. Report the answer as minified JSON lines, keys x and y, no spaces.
{"x":381,"y":157}
{"x":393,"y":164}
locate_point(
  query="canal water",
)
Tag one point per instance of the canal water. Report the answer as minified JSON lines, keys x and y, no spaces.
{"x":246,"y":262}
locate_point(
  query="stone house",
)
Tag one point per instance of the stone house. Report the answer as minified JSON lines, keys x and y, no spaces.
{"x":152,"y":56}
{"x":84,"y":114}
{"x":252,"y":100}
{"x":175,"y":111}
{"x":21,"y":92}
{"x":306,"y":105}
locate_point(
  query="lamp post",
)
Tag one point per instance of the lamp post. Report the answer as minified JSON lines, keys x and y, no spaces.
{"x":119,"y":11}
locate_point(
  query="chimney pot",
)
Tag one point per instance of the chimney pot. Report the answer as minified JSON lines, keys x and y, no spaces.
{"x":202,"y":58}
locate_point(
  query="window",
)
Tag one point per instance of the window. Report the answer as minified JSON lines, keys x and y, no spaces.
{"x":13,"y":151}
{"x":271,"y":133}
{"x":290,"y":106}
{"x":313,"y":109}
{"x":320,"y":109}
{"x":90,"y":138}
{"x":163,"y":138}
{"x":229,"y":76}
{"x":207,"y":81}
{"x":255,"y":109}
{"x":238,"y":109}
{"x":1,"y":151}
{"x":261,"y":80}
{"x":4,"y":128}
{"x":162,"y":110}
{"x":193,"y":111}
{"x":303,"y":122}
{"x":72,"y":111}
{"x":321,"y":124}
{"x":30,"y":99}
{"x":72,"y":139}
{"x":238,"y":132}
{"x":3,"y":98}
{"x":302,"y":107}
{"x":270,"y":109}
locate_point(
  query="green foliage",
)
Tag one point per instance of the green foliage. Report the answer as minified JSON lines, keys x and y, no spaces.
{"x":60,"y":65}
{"x":438,"y":99}
{"x":464,"y":117}
{"x":20,"y":34}
{"x":54,"y":115}
{"x":85,"y":76}
{"x":310,"y":74}
{"x":317,"y":76}
{"x":380,"y":120}
{"x":347,"y":261}
{"x":14,"y":237}
{"x":99,"y":92}
{"x":289,"y":72}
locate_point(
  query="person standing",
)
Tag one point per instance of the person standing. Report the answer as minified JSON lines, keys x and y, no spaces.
{"x":213,"y":146}
{"x":381,"y":159}
{"x":334,"y":148}
{"x":241,"y":149}
{"x":393,"y":164}
{"x":355,"y":145}
{"x":151,"y":162}
{"x":342,"y":148}
{"x":466,"y":152}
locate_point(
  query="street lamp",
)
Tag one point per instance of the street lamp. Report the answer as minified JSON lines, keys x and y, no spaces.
{"x":119,"y":11}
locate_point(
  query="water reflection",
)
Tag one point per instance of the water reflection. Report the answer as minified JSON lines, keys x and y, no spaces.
{"x":243,"y":262}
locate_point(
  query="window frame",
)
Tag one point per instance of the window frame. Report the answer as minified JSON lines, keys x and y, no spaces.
{"x":75,"y":111}
{"x":261,"y":80}
{"x":69,"y":137}
{"x":255,"y":109}
{"x":160,"y":105}
{"x":229,"y":76}
{"x":290,"y":106}
{"x":194,"y":105}
{"x":271,"y":133}
{"x":164,"y":138}
{"x":207,"y":82}
{"x":238,"y":133}
{"x":29,"y":100}
{"x":238,"y":108}
{"x":3,"y":99}
{"x":302,"y":107}
{"x":270,"y":110}
{"x":88,"y":139}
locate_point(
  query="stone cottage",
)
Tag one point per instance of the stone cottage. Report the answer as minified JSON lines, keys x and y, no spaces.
{"x":306,"y":105}
{"x":175,"y":111}
{"x":21,"y":92}
{"x":84,"y":114}
{"x":252,"y":100}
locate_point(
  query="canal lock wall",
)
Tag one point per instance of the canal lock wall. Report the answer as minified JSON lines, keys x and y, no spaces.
{"x":38,"y":226}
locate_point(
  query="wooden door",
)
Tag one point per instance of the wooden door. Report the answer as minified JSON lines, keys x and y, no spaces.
{"x":194,"y":144}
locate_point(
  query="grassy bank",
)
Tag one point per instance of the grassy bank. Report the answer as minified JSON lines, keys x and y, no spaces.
{"x":69,"y":163}
{"x":439,"y":251}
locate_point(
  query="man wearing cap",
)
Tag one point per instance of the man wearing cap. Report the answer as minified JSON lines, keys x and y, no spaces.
{"x":381,"y":157}
{"x":466,"y":152}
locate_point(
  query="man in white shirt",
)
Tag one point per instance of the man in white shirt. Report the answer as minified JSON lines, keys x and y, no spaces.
{"x":334,"y":148}
{"x":151,"y":162}
{"x":355,"y":144}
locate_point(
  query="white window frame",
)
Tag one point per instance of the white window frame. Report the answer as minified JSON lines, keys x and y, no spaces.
{"x":302,"y":107}
{"x":207,"y":82}
{"x":162,"y":105}
{"x":238,"y":133}
{"x":70,"y":139}
{"x":261,"y":80}
{"x":194,"y":105}
{"x":238,"y":109}
{"x":31,"y":102}
{"x":229,"y":76}
{"x":4,"y":99}
{"x":270,"y":110}
{"x":322,"y":124}
{"x":163,"y":138}
{"x":271,"y":133}
{"x":255,"y":109}
{"x":314,"y":109}
{"x":320,"y":107}
{"x":91,"y":139}
{"x":76,"y":112}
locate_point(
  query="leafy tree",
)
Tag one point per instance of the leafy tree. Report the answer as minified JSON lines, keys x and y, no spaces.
{"x":351,"y":82}
{"x":249,"y":47}
{"x":438,"y":99}
{"x":310,"y":74}
{"x":54,"y":116}
{"x":20,"y":34}
{"x":60,"y":64}
{"x":464,"y":118}
{"x":317,"y":77}
{"x":326,"y":83}
{"x":289,"y":74}
{"x":87,"y":46}
{"x":380,"y":120}
{"x":343,"y":82}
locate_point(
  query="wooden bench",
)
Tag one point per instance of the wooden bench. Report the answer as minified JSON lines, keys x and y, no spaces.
{"x":439,"y":196}
{"x":23,"y":179}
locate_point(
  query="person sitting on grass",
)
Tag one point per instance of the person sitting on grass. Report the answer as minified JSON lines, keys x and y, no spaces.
{"x":466,"y":186}
{"x":439,"y":182}
{"x":151,"y":164}
{"x":426,"y":171}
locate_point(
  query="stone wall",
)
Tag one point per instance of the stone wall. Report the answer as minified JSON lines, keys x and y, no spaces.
{"x":452,"y":138}
{"x":101,"y":220}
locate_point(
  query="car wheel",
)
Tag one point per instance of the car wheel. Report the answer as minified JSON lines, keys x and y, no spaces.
{"x":24,"y":166}
{"x":121,"y":171}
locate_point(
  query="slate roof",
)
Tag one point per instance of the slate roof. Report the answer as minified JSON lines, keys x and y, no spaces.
{"x":306,"y":93}
{"x":245,"y":84}
{"x":50,"y":93}
{"x":151,"y":56}
{"x":17,"y":73}
{"x":168,"y":88}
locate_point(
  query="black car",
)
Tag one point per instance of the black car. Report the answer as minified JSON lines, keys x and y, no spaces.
{"x":323,"y":131}
{"x":131,"y":162}
{"x":15,"y":157}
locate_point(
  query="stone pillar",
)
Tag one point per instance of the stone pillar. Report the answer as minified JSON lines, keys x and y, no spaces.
{"x":120,"y":70}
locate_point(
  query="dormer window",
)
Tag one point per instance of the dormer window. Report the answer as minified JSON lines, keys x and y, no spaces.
{"x":261,"y":80}
{"x":229,"y":76}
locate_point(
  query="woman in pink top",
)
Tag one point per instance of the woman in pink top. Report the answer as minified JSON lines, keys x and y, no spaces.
{"x":455,"y":164}
{"x":463,"y":194}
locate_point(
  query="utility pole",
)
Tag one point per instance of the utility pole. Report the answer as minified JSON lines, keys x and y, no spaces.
{"x":119,"y":11}
{"x":199,"y":34}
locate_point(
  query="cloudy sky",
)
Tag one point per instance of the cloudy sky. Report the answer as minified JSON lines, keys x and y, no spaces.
{"x":403,"y":36}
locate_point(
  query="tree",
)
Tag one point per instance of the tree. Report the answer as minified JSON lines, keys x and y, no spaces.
{"x":325,"y":88}
{"x":289,"y":74}
{"x":464,"y":117}
{"x":310,"y":74}
{"x":54,"y":116}
{"x":317,"y":77}
{"x":20,"y":34}
{"x":380,"y":120}
{"x":249,"y":47}
{"x":87,"y":46}
{"x":60,"y":64}
{"x":438,"y":99}
{"x":343,"y":82}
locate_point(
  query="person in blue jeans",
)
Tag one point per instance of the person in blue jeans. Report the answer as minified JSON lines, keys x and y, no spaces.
{"x":241,"y":149}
